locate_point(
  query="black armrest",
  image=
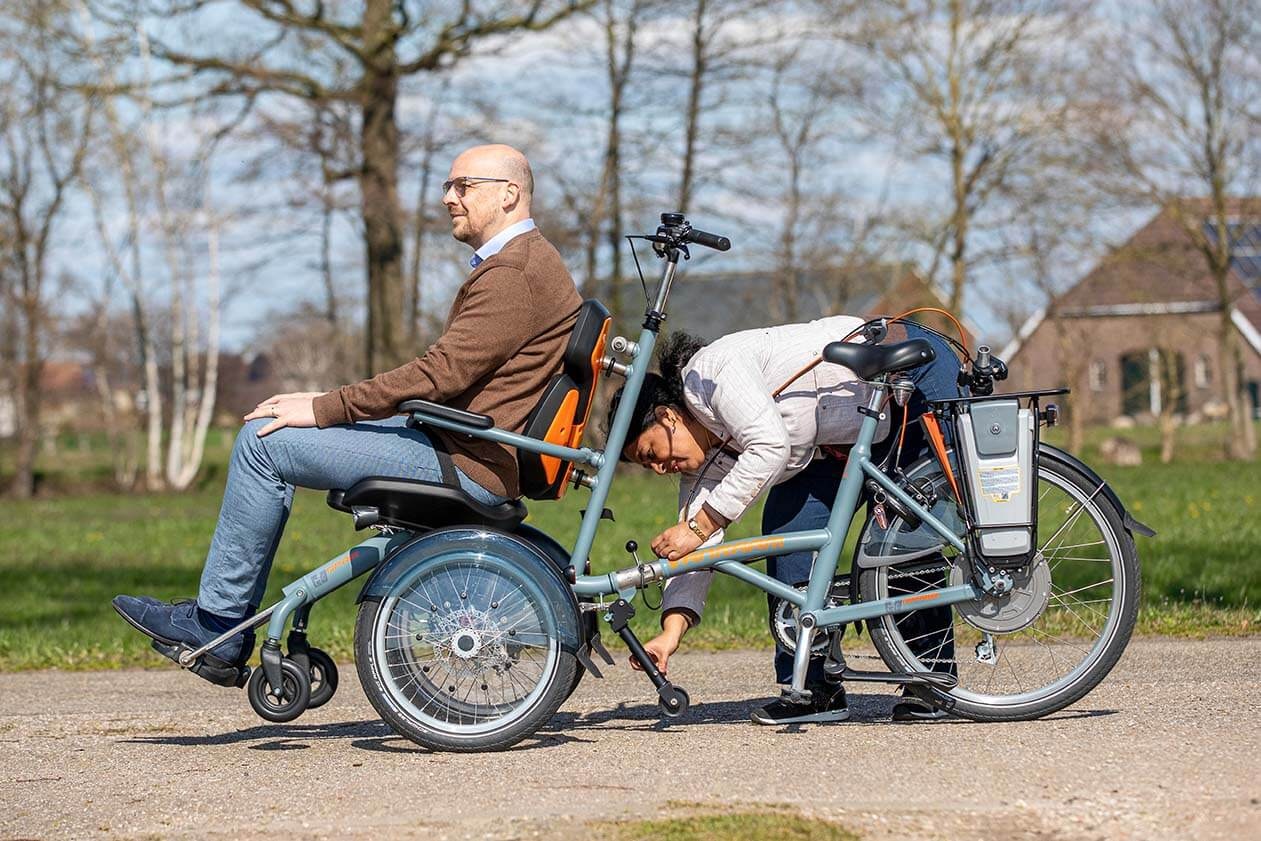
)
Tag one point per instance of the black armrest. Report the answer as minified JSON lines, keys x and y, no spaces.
{"x":437,"y":410}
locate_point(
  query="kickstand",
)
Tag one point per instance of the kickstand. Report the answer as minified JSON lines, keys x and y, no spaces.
{"x":673,"y":699}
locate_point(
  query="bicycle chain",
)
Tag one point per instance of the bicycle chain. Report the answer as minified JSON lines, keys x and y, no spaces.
{"x":891,"y":577}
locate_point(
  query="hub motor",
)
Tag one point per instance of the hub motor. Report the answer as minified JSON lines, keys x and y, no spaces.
{"x":1018,"y":607}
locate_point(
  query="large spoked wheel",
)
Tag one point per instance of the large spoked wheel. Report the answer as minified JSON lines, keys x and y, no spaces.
{"x":468,"y":650}
{"x":1046,"y":646}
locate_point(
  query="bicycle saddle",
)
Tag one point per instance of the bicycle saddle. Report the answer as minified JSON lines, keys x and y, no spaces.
{"x":868,"y":361}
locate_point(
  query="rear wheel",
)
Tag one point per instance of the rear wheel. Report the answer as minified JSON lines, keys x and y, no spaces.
{"x":1047,"y":644}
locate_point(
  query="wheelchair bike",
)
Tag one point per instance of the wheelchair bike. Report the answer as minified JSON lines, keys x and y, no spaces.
{"x":473,"y":627}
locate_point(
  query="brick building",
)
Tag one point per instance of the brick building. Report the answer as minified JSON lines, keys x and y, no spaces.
{"x":1138,"y":333}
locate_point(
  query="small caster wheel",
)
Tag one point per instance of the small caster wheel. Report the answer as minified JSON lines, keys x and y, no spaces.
{"x":673,"y":700}
{"x":323,"y":678}
{"x":293,"y":699}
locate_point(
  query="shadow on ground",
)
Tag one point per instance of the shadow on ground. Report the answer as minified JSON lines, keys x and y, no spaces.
{"x":565,"y":727}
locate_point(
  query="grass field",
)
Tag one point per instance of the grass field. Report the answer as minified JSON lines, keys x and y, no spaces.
{"x":63,"y":558}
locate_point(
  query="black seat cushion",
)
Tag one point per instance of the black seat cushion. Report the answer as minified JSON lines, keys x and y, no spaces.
{"x":419,"y":506}
{"x":868,"y":361}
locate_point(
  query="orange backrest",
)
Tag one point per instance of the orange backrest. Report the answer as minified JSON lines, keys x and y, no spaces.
{"x":561,"y":415}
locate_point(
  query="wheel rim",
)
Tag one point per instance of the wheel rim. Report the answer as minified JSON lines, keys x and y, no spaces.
{"x":1088,"y":584}
{"x":465,"y":645}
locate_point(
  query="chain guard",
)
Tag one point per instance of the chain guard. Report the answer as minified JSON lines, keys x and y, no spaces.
{"x":784,"y":617}
{"x":1012,"y":611}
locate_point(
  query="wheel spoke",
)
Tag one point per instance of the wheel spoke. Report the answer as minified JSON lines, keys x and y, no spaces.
{"x":1035,"y":659}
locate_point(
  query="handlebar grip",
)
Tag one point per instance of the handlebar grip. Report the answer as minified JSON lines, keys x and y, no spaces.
{"x":714,"y":241}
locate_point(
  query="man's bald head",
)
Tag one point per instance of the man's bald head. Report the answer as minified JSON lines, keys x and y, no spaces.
{"x":500,"y":161}
{"x":492,"y":187}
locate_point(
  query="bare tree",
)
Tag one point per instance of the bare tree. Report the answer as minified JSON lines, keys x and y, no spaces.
{"x":973,"y":84}
{"x":356,"y":54}
{"x":46,"y":133}
{"x":1184,"y":123}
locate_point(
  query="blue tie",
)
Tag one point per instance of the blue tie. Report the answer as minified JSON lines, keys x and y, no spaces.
{"x":475,"y":261}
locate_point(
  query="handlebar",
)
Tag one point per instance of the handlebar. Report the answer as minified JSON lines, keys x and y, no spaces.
{"x":676,"y":231}
{"x":714,"y":241}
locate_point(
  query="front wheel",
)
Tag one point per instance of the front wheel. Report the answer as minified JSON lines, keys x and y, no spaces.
{"x":1036,"y":654}
{"x":471,"y":646}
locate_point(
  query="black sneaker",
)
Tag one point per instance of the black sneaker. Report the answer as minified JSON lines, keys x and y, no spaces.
{"x":827,"y":703}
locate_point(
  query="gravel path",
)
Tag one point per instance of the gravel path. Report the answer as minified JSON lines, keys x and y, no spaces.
{"x":1169,"y":747}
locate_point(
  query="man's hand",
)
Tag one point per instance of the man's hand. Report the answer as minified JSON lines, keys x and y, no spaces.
{"x":275,"y":398}
{"x":296,"y":410}
{"x":664,"y":644}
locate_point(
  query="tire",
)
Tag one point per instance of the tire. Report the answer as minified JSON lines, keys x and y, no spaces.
{"x":436,"y":650}
{"x":1106,"y":617}
{"x":323,"y":678}
{"x":294,"y":698}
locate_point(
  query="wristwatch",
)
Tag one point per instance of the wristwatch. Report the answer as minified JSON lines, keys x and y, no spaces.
{"x":697,"y":530}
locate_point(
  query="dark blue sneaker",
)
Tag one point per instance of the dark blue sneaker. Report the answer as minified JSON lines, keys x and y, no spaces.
{"x":179,"y":625}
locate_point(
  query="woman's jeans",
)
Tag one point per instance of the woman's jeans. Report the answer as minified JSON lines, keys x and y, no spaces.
{"x":805,"y":502}
{"x":262,"y":475}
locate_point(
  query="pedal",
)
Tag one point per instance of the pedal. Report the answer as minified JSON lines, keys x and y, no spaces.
{"x":937,"y":680}
{"x":794,"y":697}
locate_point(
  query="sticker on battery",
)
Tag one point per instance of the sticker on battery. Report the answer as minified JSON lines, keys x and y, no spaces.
{"x":1000,"y":484}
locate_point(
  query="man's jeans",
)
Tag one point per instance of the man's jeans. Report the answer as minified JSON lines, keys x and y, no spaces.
{"x":261,"y":479}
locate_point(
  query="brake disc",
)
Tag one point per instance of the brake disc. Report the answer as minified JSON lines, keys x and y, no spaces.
{"x":1014,"y":610}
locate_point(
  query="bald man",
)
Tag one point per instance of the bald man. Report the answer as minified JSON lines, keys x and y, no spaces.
{"x":504,"y":340}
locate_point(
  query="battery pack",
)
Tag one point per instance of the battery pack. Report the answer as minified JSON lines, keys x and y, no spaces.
{"x":996,"y":439}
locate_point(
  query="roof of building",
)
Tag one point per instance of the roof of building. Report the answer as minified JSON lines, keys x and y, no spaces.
{"x":713,"y":304}
{"x":1159,"y":271}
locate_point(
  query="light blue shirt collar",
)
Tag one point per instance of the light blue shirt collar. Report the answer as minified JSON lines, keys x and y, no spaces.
{"x":496,"y":243}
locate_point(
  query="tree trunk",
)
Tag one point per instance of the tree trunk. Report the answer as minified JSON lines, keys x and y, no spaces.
{"x":1241,"y":438}
{"x":379,"y":207}
{"x":28,"y":419}
{"x":196,"y":447}
{"x":696,"y":86}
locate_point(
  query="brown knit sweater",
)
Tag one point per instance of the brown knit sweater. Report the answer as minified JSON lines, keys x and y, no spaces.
{"x":503,"y":340}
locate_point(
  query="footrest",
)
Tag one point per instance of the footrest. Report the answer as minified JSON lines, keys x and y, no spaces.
{"x":207,"y":666}
{"x":937,"y":680}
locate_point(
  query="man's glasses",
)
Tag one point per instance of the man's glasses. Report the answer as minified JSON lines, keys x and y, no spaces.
{"x":462,"y":183}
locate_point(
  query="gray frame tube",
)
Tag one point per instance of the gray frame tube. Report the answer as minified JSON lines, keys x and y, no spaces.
{"x":898,"y":604}
{"x":584,"y":455}
{"x":616,"y":439}
{"x":327,"y":577}
{"x":903,"y":497}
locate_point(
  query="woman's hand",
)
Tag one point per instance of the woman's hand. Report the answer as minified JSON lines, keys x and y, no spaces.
{"x":296,"y":410}
{"x":664,"y":644}
{"x":675,"y":542}
{"x":679,"y":539}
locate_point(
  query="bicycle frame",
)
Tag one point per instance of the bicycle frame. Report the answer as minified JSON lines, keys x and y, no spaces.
{"x":729,"y":558}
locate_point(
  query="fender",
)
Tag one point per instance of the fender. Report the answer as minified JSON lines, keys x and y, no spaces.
{"x":546,"y":544}
{"x":1131,"y":525}
{"x":556,"y":553}
{"x":515,"y":547}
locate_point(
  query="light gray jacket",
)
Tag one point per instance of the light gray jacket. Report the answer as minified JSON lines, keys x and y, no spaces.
{"x":727,"y":386}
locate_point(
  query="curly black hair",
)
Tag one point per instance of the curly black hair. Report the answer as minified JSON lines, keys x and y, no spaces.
{"x":663,"y":389}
